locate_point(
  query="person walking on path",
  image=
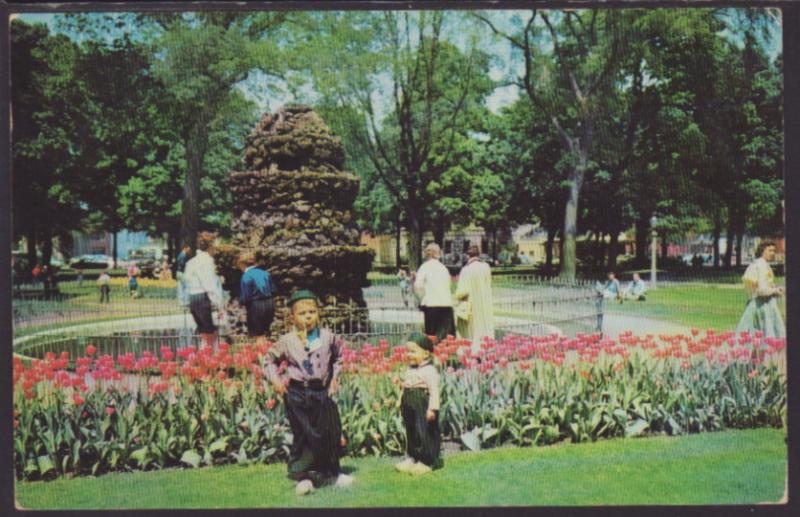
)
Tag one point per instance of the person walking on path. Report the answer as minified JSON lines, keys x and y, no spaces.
{"x":762,"y":312}
{"x":474,"y":312}
{"x":432,"y":283}
{"x":313,"y":359}
{"x":256,"y":293}
{"x":204,"y":289}
{"x":404,"y":282}
{"x":103,"y":282}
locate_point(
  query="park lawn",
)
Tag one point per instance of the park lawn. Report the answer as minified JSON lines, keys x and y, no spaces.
{"x":730,"y":467}
{"x":701,"y":305}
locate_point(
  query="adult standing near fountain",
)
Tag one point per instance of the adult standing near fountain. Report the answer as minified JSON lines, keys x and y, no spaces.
{"x":762,"y":312}
{"x":474,"y":291}
{"x":432,"y":283}
{"x":205,"y":293}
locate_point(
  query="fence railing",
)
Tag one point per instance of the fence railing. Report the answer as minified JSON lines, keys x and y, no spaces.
{"x":529,"y":306}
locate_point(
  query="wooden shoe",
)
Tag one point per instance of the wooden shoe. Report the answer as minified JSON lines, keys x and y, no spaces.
{"x":419,"y":469}
{"x":304,"y":487}
{"x":344,"y":480}
{"x":405,"y":465}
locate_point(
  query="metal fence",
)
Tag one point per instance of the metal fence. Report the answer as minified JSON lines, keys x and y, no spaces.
{"x":522,"y":305}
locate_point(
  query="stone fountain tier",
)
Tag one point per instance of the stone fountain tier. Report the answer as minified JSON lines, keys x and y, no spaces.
{"x":293,"y":208}
{"x":338,"y":271}
{"x":274,"y":189}
{"x":291,"y":139}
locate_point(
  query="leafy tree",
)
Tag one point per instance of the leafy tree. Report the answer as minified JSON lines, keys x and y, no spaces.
{"x":128,"y":131}
{"x":570,"y":66}
{"x":434,"y":91}
{"x":201,"y":57}
{"x":48,"y":111}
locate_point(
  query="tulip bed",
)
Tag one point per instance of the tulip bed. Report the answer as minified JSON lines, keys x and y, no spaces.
{"x":190,"y":407}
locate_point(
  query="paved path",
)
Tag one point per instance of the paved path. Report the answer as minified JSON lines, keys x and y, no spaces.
{"x":614,"y":324}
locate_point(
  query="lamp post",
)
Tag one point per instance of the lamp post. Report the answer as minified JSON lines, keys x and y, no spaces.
{"x":654,"y":252}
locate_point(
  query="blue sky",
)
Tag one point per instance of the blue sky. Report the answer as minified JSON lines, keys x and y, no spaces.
{"x":256,"y":85}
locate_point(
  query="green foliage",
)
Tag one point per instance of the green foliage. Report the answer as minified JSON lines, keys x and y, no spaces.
{"x":233,"y":420}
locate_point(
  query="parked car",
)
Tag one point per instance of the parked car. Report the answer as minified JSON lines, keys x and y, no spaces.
{"x":96,"y":261}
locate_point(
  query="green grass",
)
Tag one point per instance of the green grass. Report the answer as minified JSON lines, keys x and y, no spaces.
{"x":701,"y":305}
{"x":731,"y":467}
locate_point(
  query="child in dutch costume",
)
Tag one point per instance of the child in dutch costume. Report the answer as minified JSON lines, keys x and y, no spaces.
{"x":419,"y":405}
{"x":314,"y":357}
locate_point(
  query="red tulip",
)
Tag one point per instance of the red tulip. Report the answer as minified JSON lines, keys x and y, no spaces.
{"x":90,"y":350}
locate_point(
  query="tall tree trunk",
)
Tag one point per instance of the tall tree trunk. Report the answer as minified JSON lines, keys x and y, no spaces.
{"x":548,"y":250}
{"x":729,"y":241}
{"x":494,"y":244}
{"x":32,"y":259}
{"x":47,"y":245}
{"x":170,"y":246}
{"x":613,"y":251}
{"x":568,"y":246}
{"x":664,"y":247}
{"x":599,"y":248}
{"x":739,"y":238}
{"x":195,"y":154}
{"x":717,"y":233}
{"x":439,"y":231}
{"x":415,"y":229}
{"x":114,"y":240}
{"x":642,"y":234}
{"x":398,"y":228}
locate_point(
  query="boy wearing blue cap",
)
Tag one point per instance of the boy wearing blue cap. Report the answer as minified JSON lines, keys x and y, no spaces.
{"x":314,"y":358}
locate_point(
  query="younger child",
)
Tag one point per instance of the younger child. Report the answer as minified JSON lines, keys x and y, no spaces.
{"x":419,"y":406}
{"x":314,"y":358}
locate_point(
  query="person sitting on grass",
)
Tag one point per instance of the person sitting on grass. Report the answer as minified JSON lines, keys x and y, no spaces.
{"x":419,"y":406}
{"x":636,"y":289}
{"x":611,"y":288}
{"x":313,"y":356}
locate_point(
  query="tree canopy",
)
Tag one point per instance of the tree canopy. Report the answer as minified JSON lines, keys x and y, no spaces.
{"x":135,"y":120}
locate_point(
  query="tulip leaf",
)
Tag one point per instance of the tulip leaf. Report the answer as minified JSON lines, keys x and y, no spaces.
{"x":471,"y":440}
{"x":140,"y":455}
{"x":45,"y":464}
{"x":31,"y":466}
{"x":636,"y":428}
{"x":191,"y":457}
{"x":219,"y":445}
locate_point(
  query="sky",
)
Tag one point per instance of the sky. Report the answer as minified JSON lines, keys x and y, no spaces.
{"x":263,"y":92}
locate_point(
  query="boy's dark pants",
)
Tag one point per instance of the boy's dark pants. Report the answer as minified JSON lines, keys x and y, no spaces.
{"x":317,"y":431}
{"x":260,"y":314}
{"x":422,"y":437}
